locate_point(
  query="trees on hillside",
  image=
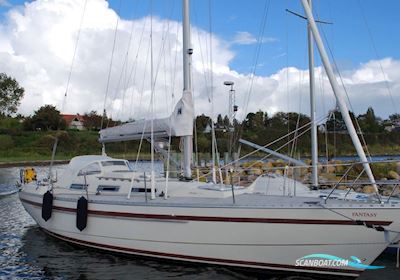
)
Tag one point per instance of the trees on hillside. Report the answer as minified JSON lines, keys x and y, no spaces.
{"x":11,"y":94}
{"x":202,"y":122}
{"x":256,"y":120}
{"x":369,"y":122}
{"x":46,"y":117}
{"x":92,"y":121}
{"x":336,"y":122}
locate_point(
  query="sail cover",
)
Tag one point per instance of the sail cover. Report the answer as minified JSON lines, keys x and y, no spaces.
{"x":180,"y":123}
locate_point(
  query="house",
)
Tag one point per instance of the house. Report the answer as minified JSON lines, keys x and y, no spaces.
{"x":393,"y":125}
{"x":74,"y":121}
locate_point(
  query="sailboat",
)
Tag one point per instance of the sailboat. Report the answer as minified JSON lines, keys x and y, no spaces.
{"x":100,"y":202}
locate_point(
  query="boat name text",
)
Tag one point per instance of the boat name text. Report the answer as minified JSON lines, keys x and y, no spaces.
{"x":364,"y":214}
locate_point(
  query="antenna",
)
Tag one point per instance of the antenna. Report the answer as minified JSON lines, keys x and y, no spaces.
{"x":229,"y":83}
{"x":232,"y":110}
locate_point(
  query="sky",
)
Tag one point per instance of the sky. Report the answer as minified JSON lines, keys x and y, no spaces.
{"x":256,"y":44}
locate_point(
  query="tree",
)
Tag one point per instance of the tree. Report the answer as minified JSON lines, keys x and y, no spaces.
{"x":267,"y":120}
{"x":248,"y":121}
{"x":10,"y":95}
{"x":293,"y":118}
{"x":46,"y":118}
{"x":255,"y":121}
{"x":369,"y":123}
{"x":202,"y":122}
{"x":226,"y":121}
{"x":336,"y":121}
{"x":220,"y":120}
{"x":258,"y":120}
{"x":394,"y":118}
{"x":92,"y":121}
{"x":278,"y":120}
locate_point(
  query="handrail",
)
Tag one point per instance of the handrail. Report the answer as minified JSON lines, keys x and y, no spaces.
{"x":395,"y":187}
{"x":340,"y":180}
{"x":352,"y":186}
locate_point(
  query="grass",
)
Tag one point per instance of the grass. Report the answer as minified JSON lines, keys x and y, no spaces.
{"x":37,"y":146}
{"x":17,"y":145}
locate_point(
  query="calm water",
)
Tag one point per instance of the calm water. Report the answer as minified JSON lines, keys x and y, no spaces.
{"x":28,"y":253}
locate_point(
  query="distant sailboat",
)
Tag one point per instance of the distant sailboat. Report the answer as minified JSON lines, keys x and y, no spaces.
{"x":100,"y":202}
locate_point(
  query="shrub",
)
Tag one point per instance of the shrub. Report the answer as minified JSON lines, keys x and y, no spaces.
{"x":6,"y":142}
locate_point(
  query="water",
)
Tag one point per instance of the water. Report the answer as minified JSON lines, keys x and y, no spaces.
{"x":26,"y":252}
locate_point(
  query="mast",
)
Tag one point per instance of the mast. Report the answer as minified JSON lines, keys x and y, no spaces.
{"x":152,"y":181}
{"x":314,"y":136}
{"x":187,"y":86}
{"x":339,"y":95}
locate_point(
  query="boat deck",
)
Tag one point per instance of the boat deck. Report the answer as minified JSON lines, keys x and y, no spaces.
{"x":241,"y":201}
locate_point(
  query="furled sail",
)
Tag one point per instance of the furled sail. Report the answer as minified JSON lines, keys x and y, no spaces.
{"x":180,"y":123}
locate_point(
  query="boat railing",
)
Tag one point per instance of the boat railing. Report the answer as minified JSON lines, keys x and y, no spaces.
{"x":352,"y":175}
{"x":334,"y":175}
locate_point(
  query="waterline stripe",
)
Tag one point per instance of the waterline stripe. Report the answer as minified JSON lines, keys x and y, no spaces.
{"x":205,"y":259}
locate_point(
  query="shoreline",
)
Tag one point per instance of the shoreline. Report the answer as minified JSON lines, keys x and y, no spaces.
{"x":31,"y":163}
{"x":46,"y":162}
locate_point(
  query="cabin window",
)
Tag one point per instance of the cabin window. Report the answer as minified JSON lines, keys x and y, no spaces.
{"x":106,"y":188}
{"x":93,"y":168}
{"x":113,"y":163}
{"x":77,"y":186}
{"x":129,"y":166}
{"x":142,"y":190}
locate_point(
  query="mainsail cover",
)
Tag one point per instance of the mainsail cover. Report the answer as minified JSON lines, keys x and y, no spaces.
{"x":180,"y":123}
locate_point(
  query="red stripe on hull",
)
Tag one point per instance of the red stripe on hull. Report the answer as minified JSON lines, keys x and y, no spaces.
{"x":213,"y":218}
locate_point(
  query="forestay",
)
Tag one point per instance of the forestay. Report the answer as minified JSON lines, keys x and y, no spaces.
{"x":180,"y":123}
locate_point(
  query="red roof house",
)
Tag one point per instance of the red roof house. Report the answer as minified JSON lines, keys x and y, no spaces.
{"x":74,"y":121}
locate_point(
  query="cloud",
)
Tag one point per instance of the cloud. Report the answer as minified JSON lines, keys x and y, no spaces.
{"x":279,"y":55}
{"x":37,"y":44}
{"x":5,"y":3}
{"x":246,"y":38}
{"x":232,"y":18}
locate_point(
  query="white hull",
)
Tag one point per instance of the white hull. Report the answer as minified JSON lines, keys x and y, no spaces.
{"x":256,"y":237}
{"x":8,"y":193}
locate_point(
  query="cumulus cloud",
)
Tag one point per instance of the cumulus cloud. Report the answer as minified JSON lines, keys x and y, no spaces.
{"x":37,"y":44}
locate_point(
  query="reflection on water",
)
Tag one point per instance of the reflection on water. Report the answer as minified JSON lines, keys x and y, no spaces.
{"x":8,"y":178}
{"x":26,"y":252}
{"x":13,"y":223}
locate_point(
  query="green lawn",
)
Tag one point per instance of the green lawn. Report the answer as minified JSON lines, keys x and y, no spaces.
{"x":17,"y":145}
{"x":36,"y":146}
